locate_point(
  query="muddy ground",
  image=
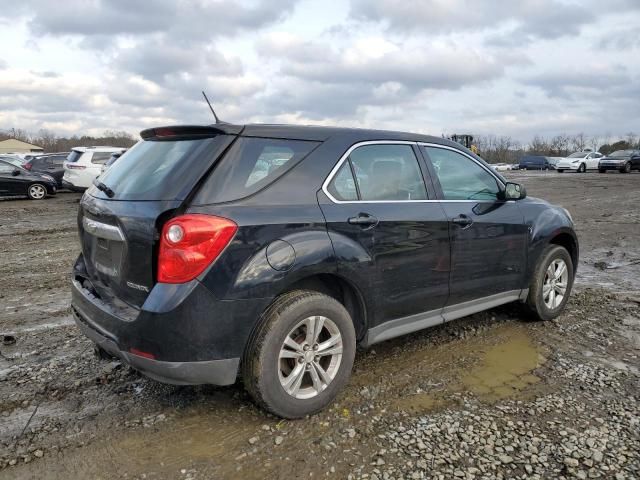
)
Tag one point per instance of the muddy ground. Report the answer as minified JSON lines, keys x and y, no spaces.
{"x":488,"y":396}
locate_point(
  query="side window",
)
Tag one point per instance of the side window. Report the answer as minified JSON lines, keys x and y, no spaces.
{"x":6,"y":168}
{"x":100,"y":157}
{"x":387,"y":172}
{"x":343,"y":186}
{"x":461,"y":178}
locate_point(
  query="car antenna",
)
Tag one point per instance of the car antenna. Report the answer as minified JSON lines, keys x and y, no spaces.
{"x":212,"y":110}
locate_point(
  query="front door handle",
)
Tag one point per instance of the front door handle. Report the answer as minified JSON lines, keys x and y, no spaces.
{"x":364,"y":220}
{"x":463,"y":220}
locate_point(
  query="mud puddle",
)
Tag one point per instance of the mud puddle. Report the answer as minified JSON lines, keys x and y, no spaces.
{"x":493,"y":367}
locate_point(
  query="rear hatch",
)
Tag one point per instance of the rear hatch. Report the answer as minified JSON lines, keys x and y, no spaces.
{"x":120,"y":217}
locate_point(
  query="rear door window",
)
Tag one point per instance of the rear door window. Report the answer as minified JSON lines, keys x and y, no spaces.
{"x":382,"y":173}
{"x":100,"y":157}
{"x":250,"y":165}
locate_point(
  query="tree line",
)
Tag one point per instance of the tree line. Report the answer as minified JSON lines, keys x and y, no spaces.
{"x":504,"y":149}
{"x":51,"y":142}
{"x":493,"y":148}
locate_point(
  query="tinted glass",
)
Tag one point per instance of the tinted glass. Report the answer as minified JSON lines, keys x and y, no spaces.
{"x":577,"y":155}
{"x":388,"y":172}
{"x":621,"y":153}
{"x":100,"y":157}
{"x":250,"y":165}
{"x":74,"y":156}
{"x":343,"y":187}
{"x":6,"y":168}
{"x":462,"y":178}
{"x":159,"y":169}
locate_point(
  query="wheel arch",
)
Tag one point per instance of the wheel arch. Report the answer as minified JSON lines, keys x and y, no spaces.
{"x":569,"y":243}
{"x":338,"y":287}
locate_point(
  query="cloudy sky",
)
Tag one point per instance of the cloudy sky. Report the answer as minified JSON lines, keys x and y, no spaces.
{"x":503,"y":67}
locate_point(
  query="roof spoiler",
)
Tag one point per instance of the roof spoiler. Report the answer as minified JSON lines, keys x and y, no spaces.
{"x":190,"y":131}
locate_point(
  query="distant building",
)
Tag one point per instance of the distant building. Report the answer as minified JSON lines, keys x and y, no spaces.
{"x":16,"y":146}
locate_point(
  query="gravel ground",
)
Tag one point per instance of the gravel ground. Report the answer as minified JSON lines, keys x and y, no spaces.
{"x":488,"y":396}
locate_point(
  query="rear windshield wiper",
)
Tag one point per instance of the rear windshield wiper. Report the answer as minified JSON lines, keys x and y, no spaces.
{"x":102,"y":187}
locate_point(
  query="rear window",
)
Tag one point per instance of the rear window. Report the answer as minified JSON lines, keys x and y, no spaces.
{"x":74,"y":156}
{"x":250,"y":165}
{"x":161,"y":169}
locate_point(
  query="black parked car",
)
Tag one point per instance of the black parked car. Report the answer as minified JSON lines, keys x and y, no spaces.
{"x":52,"y":165}
{"x":535,"y":162}
{"x":272,"y":251}
{"x":15,"y":180}
{"x":621,"y":160}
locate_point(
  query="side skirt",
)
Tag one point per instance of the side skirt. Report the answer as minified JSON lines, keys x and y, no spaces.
{"x":420,"y":321}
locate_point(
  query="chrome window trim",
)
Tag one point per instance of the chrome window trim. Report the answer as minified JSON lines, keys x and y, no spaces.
{"x":344,"y":157}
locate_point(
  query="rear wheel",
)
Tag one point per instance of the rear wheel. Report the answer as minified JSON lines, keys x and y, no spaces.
{"x":301,"y":355}
{"x":37,"y":191}
{"x":551,"y":284}
{"x":582,"y":168}
{"x":626,"y":168}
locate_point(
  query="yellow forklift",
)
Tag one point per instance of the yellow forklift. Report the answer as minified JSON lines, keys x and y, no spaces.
{"x":465,"y":140}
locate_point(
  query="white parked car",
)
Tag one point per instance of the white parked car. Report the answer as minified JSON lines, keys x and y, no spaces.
{"x":580,"y":162}
{"x":84,"y":164}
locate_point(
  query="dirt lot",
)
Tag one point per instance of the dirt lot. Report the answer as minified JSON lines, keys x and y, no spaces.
{"x":489,"y":396}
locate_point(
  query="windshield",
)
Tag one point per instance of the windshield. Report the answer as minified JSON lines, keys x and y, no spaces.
{"x":621,"y":153}
{"x":578,"y":155}
{"x":160,"y":169}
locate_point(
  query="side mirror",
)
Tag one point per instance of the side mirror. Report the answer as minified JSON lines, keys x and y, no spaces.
{"x":15,"y":173}
{"x":514,"y":191}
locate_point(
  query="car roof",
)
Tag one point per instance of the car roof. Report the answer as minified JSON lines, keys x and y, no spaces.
{"x":311,"y":132}
{"x":98,"y":149}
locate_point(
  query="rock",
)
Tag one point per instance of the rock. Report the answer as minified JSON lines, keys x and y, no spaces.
{"x":571,"y":462}
{"x":505,"y":459}
{"x":253,"y":440}
{"x":39,"y":453}
{"x":597,"y":456}
{"x":278,"y":440}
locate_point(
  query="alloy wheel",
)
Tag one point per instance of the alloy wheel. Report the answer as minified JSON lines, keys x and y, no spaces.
{"x":555,"y":284}
{"x":37,"y":192}
{"x":310,"y":357}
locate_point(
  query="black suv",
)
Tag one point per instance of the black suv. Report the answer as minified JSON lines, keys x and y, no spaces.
{"x":273,"y":251}
{"x":51,"y":164}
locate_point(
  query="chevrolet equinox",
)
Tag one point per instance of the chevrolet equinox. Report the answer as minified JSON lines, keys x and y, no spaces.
{"x":270,"y":252}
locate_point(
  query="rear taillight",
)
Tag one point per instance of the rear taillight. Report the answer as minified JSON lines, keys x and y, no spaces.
{"x":75,"y":167}
{"x":28,"y":166}
{"x":190,"y":243}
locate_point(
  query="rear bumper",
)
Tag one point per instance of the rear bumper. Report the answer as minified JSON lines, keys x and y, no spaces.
{"x":216,"y":372}
{"x":182,"y":334}
{"x":70,"y":186}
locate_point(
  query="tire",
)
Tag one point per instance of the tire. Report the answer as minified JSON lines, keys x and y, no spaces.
{"x":37,"y":191}
{"x":626,"y":168}
{"x":263,"y":368}
{"x":582,"y":168}
{"x":560,"y":171}
{"x":602,"y":170}
{"x":536,"y":304}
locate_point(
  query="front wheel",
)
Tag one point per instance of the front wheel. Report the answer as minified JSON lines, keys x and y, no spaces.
{"x":560,"y":171}
{"x":37,"y":191}
{"x":301,"y":354}
{"x":626,"y":168}
{"x":551,"y":283}
{"x":582,"y":168}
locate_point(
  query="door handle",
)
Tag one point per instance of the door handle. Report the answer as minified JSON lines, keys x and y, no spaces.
{"x":463,"y":220}
{"x":364,"y":220}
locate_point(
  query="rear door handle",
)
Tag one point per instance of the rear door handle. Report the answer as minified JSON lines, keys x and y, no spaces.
{"x":463,"y":221}
{"x":364,"y":220}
